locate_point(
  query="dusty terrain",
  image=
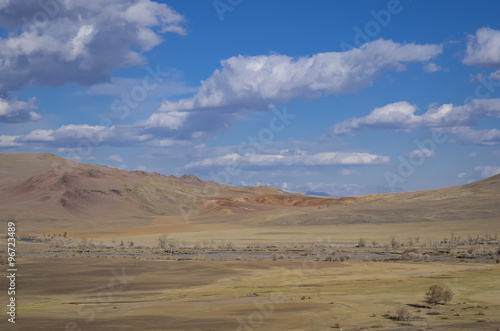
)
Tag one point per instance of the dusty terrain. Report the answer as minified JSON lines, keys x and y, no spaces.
{"x":87,"y":293}
{"x":203,"y":256}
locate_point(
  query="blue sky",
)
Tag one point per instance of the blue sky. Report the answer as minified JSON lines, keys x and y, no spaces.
{"x":345,"y":98}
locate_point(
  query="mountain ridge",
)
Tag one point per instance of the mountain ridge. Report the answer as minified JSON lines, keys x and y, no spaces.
{"x":44,"y":186}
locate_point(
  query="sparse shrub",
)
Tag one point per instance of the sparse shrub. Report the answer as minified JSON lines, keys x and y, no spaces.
{"x":362,"y":242}
{"x":395,"y":243}
{"x":344,"y":258}
{"x":162,"y":241}
{"x":84,"y":245}
{"x":403,"y":314}
{"x":56,"y":242}
{"x":438,"y":294}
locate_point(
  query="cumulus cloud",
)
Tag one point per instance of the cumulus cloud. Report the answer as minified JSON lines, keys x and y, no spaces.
{"x":80,"y":42}
{"x":483,"y":48}
{"x":401,"y":116}
{"x":83,"y":136}
{"x":466,"y":135}
{"x":14,"y":111}
{"x":487,"y":171}
{"x":256,"y":82}
{"x":298,"y":158}
{"x":9,"y":141}
{"x":53,"y":43}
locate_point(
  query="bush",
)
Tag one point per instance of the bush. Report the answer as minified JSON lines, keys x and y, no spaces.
{"x":403,"y":314}
{"x":362,"y":242}
{"x":438,"y":294}
{"x":395,"y":243}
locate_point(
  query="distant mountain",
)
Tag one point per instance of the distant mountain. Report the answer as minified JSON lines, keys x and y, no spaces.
{"x":44,"y":187}
{"x":48,"y":186}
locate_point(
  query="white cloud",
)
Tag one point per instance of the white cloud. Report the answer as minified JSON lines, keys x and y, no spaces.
{"x":465,"y":135}
{"x":79,"y":41}
{"x":296,"y":159}
{"x":14,"y":111}
{"x":487,"y":171}
{"x":401,"y":116}
{"x":9,"y":141}
{"x":162,"y":142}
{"x":255,"y":82}
{"x":421,"y":153}
{"x":461,"y":175}
{"x":169,"y":119}
{"x":472,"y":155}
{"x":339,"y":190}
{"x":86,"y":136}
{"x":115,"y":158}
{"x":39,"y":135}
{"x":483,"y":48}
{"x":432,"y":67}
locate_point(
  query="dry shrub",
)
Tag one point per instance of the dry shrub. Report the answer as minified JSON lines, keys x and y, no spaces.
{"x":438,"y":294}
{"x":403,"y":314}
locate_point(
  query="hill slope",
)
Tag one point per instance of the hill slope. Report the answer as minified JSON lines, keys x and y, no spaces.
{"x":44,"y":187}
{"x":47,"y":186}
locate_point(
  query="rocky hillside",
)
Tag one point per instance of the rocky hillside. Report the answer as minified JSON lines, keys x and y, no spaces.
{"x":47,"y":186}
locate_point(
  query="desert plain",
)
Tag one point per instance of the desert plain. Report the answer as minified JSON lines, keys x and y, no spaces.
{"x":105,"y":249}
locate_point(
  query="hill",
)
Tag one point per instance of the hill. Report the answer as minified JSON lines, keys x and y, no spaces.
{"x":47,"y":186}
{"x":44,"y":188}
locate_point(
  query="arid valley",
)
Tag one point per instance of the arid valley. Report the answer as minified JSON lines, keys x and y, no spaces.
{"x":100,"y":248}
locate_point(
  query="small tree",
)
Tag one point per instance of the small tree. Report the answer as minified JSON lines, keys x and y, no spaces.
{"x":438,"y":294}
{"x":362,"y":242}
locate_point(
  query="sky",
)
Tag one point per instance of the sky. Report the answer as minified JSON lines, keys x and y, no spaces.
{"x":337,"y":98}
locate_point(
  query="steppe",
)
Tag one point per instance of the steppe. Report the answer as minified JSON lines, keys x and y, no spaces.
{"x":99,"y":248}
